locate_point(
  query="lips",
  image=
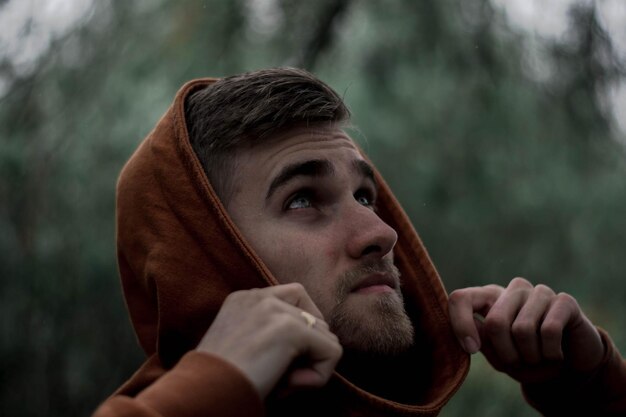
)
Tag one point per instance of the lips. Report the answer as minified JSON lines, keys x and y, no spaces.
{"x":374,"y":280}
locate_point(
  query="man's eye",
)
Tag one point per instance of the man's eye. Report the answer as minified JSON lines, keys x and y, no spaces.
{"x":299,"y":202}
{"x":365,"y":198}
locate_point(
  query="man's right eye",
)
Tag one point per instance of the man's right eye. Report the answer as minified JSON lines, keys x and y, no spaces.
{"x":299,"y":201}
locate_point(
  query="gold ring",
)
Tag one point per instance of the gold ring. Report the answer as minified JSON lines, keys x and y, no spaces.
{"x":310,"y":319}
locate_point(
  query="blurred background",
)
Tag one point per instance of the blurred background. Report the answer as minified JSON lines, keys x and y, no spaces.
{"x":500,"y":125}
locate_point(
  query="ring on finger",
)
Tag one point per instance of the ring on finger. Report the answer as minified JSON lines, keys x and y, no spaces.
{"x":310,"y":319}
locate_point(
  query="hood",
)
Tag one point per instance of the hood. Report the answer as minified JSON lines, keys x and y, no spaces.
{"x":180,"y":255}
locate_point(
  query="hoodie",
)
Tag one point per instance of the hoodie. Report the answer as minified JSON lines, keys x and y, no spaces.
{"x":180,"y":255}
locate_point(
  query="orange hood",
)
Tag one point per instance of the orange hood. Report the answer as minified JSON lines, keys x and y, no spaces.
{"x":180,"y":255}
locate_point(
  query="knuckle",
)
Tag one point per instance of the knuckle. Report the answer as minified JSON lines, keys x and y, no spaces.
{"x":550,"y":331}
{"x":338,"y":350}
{"x":457,"y":297}
{"x":235,"y":295}
{"x":567,"y":300}
{"x":284,"y":322}
{"x":496,"y":325}
{"x":544,"y":289}
{"x":296,"y":287}
{"x":524,"y":330}
{"x":240,"y":297}
{"x":267,"y":305}
{"x":494,"y":287}
{"x":519,"y":282}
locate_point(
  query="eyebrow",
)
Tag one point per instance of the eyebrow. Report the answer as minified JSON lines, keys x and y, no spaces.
{"x":316,"y":168}
{"x":365,"y":170}
{"x":311,"y":168}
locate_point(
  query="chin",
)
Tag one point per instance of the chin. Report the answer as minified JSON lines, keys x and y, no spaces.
{"x":375,"y":324}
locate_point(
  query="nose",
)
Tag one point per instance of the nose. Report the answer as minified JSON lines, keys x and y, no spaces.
{"x":368,"y":236}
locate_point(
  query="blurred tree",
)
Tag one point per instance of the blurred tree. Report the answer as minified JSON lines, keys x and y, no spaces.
{"x":504,"y":173}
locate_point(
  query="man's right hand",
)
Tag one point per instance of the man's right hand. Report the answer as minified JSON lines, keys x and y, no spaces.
{"x":263,"y":331}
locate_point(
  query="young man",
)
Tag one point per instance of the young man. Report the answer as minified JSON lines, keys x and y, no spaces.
{"x":268,"y":269}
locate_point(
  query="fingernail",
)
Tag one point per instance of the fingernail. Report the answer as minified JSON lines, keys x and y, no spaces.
{"x":470,"y":345}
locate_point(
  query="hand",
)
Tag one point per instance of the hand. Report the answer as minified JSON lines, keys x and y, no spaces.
{"x":262,"y":332}
{"x":526,"y":331}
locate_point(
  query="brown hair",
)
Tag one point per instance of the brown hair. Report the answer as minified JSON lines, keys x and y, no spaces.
{"x":242,"y":110}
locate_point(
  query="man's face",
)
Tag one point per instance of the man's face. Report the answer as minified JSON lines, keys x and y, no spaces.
{"x":305,"y":201}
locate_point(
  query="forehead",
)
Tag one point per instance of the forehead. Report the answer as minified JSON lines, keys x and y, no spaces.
{"x":299,"y":145}
{"x":303,"y":141}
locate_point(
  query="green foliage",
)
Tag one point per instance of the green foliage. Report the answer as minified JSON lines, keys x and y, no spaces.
{"x":503,"y":175}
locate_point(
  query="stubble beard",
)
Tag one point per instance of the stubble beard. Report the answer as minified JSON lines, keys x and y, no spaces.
{"x":376,"y":324}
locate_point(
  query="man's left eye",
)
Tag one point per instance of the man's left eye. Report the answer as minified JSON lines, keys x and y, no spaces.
{"x":299,"y":202}
{"x":364,"y":198}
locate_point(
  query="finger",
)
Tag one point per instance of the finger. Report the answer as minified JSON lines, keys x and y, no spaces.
{"x":270,"y":305}
{"x":583,"y":347}
{"x":557,"y":318}
{"x":319,"y":325}
{"x":288,"y":345}
{"x":319,"y":350}
{"x":309,"y":318}
{"x":261,"y":331}
{"x":497,"y":324}
{"x":462,"y":305}
{"x":317,"y":361}
{"x":525,"y":328}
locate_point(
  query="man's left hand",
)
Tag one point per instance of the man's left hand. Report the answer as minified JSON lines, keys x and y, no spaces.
{"x":529,"y":332}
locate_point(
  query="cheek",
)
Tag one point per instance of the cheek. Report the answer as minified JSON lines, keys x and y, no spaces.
{"x":287,"y":258}
{"x":326,"y":243}
{"x":306,"y":262}
{"x":307,"y":257}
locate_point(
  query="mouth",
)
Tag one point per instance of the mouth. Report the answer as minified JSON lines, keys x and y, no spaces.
{"x":375,"y":283}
